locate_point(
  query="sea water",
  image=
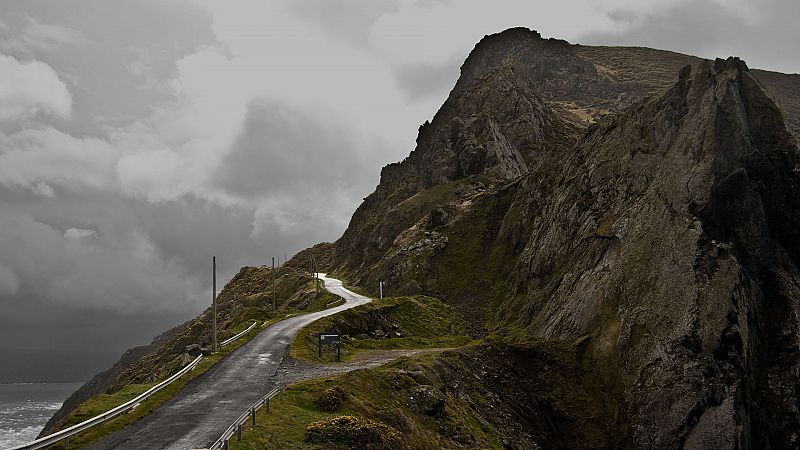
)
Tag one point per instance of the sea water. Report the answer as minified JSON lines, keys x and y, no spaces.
{"x":25,"y":408}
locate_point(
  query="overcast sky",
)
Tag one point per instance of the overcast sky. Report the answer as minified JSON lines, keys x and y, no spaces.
{"x":139,"y":138}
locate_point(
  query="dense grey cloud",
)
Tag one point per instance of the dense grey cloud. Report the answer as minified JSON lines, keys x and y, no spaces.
{"x":115,"y":57}
{"x":31,"y":87}
{"x":102,"y":260}
{"x":283,"y":150}
{"x":348,"y":20}
{"x":82,"y":260}
{"x":423,"y":79}
{"x":304,"y":170}
{"x":763,"y":33}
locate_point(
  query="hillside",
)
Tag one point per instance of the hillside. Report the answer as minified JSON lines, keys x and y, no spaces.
{"x":245,"y":298}
{"x":644,"y":201}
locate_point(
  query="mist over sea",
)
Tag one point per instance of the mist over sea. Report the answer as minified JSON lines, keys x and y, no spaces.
{"x":34,"y":384}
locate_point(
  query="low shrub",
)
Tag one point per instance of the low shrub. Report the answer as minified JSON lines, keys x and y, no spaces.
{"x":332,"y":399}
{"x":355,"y":432}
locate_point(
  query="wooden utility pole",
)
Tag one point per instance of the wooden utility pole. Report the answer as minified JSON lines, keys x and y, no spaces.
{"x":273,"y":284}
{"x":316,"y":271}
{"x":214,"y":347}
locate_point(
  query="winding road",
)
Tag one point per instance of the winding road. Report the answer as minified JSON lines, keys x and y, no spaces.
{"x":209,"y":403}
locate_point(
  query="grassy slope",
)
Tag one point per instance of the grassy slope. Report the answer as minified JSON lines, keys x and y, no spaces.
{"x":491,"y":393}
{"x":104,"y":402}
{"x":376,"y":393}
{"x":428,"y":322}
{"x":425,"y":322}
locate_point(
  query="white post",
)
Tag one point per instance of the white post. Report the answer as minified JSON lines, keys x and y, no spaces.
{"x":381,"y":285}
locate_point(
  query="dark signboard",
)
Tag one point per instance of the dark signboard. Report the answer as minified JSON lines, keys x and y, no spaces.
{"x":330,"y":339}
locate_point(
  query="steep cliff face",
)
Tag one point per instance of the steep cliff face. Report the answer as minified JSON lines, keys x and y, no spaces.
{"x":664,"y":234}
{"x":519,"y":98}
{"x":487,"y":135}
{"x":671,"y":241}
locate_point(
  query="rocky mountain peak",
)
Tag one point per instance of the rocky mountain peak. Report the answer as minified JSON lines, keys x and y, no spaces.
{"x":492,"y":50}
{"x":644,"y":203}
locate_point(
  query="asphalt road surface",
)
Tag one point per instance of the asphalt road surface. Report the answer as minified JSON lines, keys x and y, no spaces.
{"x":208,"y":404}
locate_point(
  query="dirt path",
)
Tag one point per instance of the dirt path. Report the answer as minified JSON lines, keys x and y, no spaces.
{"x":293,"y":370}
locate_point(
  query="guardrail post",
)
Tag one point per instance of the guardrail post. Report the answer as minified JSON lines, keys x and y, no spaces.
{"x":266,"y":406}
{"x":225,"y":444}
{"x":253,"y":415}
{"x":282,"y":389}
{"x":239,"y":432}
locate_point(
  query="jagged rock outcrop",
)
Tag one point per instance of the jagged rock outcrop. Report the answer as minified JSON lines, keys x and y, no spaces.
{"x":673,"y":245}
{"x":516,"y":98}
{"x":495,"y":130}
{"x":661,"y":227}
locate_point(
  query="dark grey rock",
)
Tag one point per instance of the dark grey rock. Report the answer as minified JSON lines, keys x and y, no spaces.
{"x":192,"y":349}
{"x":426,"y":399}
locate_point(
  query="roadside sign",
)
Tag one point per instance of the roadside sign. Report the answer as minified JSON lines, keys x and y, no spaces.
{"x":334,"y":340}
{"x":330,"y":339}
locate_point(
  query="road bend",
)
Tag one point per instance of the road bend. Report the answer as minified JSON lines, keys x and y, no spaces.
{"x":209,"y":403}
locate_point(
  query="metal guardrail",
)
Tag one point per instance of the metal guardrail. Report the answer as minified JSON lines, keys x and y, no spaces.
{"x":229,"y":340}
{"x":75,"y":429}
{"x":250,"y":413}
{"x":127,"y":406}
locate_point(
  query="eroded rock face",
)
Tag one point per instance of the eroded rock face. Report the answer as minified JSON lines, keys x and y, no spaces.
{"x":519,"y":104}
{"x":665,"y":234}
{"x":674,"y":246}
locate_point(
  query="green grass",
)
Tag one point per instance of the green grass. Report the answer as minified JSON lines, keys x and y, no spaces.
{"x":104,"y":402}
{"x":425,"y":322}
{"x":324,"y":300}
{"x":247,"y":289}
{"x":481,"y":387}
{"x":378,"y":394}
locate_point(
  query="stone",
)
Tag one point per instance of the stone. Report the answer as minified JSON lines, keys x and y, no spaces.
{"x":426,"y":399}
{"x":186,"y":359}
{"x":192,"y":349}
{"x":437,"y":218}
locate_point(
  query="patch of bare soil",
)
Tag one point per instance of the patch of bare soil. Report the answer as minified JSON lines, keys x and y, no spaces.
{"x":294,"y":370}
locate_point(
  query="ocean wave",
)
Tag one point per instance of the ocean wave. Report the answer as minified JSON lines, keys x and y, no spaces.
{"x":10,"y":437}
{"x":21,"y":422}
